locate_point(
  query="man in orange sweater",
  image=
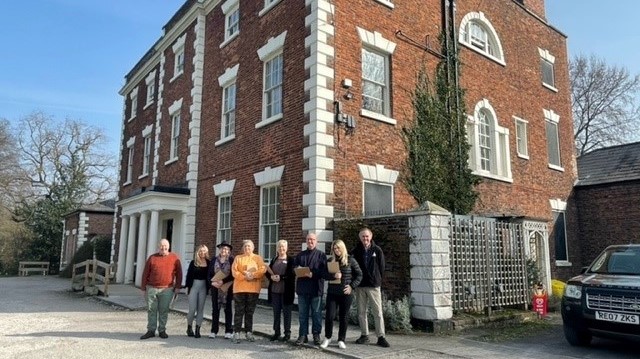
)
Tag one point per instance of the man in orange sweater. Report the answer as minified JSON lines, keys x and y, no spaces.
{"x":162,"y":277}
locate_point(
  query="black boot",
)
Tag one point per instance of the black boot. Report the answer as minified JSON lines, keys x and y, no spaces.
{"x":189,"y":331}
{"x":197,"y":331}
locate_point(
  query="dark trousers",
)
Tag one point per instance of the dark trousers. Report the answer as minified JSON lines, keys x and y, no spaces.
{"x":245,"y":307}
{"x":341,"y":303}
{"x":277,"y":301}
{"x":215,"y":312}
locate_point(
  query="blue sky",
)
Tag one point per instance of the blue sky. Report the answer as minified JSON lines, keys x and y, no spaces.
{"x":68,"y":58}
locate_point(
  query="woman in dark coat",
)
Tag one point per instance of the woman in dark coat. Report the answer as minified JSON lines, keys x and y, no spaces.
{"x":344,"y":278}
{"x":221,"y":293}
{"x":282,"y":289}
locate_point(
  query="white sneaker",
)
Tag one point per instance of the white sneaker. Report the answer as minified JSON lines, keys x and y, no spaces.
{"x":236,"y":338}
{"x":250,"y":337}
{"x":212,"y":335}
{"x":325,"y":343}
{"x":228,"y":335}
{"x":342,"y":345}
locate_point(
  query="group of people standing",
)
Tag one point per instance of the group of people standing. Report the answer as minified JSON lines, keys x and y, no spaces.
{"x":240,"y":279}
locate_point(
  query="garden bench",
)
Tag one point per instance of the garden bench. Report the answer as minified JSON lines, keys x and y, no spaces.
{"x":25,"y":267}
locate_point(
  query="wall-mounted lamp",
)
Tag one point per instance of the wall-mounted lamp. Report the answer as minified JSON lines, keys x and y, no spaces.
{"x":348,"y":95}
{"x":347,"y":83}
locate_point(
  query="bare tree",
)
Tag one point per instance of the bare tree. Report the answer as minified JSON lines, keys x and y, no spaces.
{"x":605,"y":103}
{"x":62,"y":161}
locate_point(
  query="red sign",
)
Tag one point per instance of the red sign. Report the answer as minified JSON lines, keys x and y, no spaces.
{"x":539,"y":303}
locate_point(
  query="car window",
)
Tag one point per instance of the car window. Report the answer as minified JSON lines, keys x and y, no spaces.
{"x":624,"y":263}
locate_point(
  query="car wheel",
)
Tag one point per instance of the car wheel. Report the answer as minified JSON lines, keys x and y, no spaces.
{"x":577,"y":337}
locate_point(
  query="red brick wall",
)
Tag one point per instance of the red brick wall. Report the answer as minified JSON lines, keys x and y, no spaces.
{"x":279,"y":143}
{"x":133,"y":128}
{"x":100,"y":224}
{"x":606,"y":215}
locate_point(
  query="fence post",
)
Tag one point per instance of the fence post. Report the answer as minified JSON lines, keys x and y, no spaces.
{"x":430,"y":261}
{"x":86,"y":274}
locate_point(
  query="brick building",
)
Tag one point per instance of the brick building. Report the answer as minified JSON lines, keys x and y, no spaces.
{"x":84,"y":224}
{"x":604,"y":205}
{"x":231,"y":128}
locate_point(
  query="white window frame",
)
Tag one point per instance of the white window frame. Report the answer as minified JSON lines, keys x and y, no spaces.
{"x":491,"y":47}
{"x":179,"y":57}
{"x":175,"y":115}
{"x":387,"y":3}
{"x":224,"y":192}
{"x":272,"y":50}
{"x":269,"y":223}
{"x":498,"y":144}
{"x":268,"y":179}
{"x":133,"y":96}
{"x":560,"y":206}
{"x":379,"y":175}
{"x":549,"y":60}
{"x":522,"y":141}
{"x":231,"y":10}
{"x":268,"y":5}
{"x":146,"y":155}
{"x":553,"y":119}
{"x":375,"y":43}
{"x":130,"y":147}
{"x":226,"y":81}
{"x":150,"y":80}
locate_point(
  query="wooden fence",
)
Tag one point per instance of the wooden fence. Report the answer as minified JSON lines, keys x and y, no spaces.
{"x":488,"y":265}
{"x":94,"y":273}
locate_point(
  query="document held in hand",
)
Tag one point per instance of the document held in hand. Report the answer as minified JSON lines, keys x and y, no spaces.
{"x":334,"y":267}
{"x":302,"y":271}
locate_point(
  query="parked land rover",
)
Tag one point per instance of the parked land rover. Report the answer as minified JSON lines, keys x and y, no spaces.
{"x":604,"y":300}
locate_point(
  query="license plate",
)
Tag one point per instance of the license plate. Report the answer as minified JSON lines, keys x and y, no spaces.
{"x":617,"y":317}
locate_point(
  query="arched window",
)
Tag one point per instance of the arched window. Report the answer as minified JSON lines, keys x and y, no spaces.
{"x":477,"y":33}
{"x":489,"y":153}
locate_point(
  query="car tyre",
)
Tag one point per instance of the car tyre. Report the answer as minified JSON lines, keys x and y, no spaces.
{"x":576,"y":337}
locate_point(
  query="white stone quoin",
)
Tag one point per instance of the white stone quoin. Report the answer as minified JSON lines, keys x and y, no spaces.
{"x":430,"y":264}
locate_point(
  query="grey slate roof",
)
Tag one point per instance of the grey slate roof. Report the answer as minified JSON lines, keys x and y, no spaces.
{"x":609,"y":165}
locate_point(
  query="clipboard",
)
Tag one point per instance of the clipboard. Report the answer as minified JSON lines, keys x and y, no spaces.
{"x":220,"y":275}
{"x":333,"y":267}
{"x":302,"y":271}
{"x":173,"y":300}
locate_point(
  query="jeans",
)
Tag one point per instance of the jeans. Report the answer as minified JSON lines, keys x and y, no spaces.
{"x":245,"y":307}
{"x":308,"y":304}
{"x":215,"y":312}
{"x":197,"y":297}
{"x":158,"y":301}
{"x":341,"y":303}
{"x":277,"y":301}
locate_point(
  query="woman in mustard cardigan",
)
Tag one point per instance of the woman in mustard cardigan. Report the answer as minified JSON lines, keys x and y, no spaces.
{"x":248,"y":269}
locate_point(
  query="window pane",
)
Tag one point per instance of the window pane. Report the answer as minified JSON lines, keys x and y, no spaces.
{"x":378,"y":199}
{"x":552,"y":143}
{"x":547,"y":72}
{"x":374,"y":82}
{"x":484,"y":137}
{"x":521,"y":138}
{"x":559,"y":236}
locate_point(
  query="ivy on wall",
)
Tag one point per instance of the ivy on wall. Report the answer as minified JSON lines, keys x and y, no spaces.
{"x":437,"y":168}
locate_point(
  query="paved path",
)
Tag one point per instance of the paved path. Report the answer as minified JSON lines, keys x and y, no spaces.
{"x":40,"y":317}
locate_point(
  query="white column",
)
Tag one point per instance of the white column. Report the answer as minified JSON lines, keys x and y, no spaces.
{"x":143,"y":230}
{"x":152,"y":245}
{"x":122,"y":249}
{"x":131,"y":246}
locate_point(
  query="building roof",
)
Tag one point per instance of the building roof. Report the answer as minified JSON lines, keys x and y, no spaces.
{"x":609,"y":165}
{"x":106,"y":206}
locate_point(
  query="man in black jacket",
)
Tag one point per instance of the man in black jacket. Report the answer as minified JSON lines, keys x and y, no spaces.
{"x":371,"y":260}
{"x":310,"y":289}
